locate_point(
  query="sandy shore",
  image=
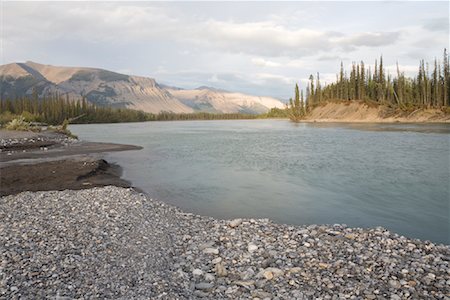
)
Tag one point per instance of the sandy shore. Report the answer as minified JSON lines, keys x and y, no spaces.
{"x":44,"y":161}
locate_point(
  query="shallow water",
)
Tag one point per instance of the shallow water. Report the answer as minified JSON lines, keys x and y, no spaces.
{"x":363,"y":175}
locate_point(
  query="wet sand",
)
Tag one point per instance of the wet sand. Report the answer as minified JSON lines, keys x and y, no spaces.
{"x":48,"y":161}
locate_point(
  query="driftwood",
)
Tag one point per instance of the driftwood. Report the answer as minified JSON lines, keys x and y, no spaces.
{"x":414,"y":112}
{"x":75,"y":118}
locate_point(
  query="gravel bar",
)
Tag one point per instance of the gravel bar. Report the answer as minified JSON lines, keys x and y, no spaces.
{"x":116,"y":243}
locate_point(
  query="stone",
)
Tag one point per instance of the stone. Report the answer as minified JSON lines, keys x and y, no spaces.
{"x":211,"y":251}
{"x":412,"y":283}
{"x":268,"y":275}
{"x":323,"y":265}
{"x":197,"y":272}
{"x":395,"y":284}
{"x":216,"y":260}
{"x":235,"y":223}
{"x":221,"y":270}
{"x":209,"y":277}
{"x":252,"y":248}
{"x":295,"y":270}
{"x":246,"y":284}
{"x":204,"y":286}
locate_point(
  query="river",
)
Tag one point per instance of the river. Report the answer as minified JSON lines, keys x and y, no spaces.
{"x":363,"y":175}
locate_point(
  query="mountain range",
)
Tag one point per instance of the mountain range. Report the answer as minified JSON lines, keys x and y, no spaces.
{"x":107,"y":88}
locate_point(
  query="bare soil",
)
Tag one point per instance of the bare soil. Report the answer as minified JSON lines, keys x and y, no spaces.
{"x":43,"y":161}
{"x":360,"y":111}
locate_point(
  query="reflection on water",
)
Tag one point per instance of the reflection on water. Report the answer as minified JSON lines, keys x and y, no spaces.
{"x":363,"y":175}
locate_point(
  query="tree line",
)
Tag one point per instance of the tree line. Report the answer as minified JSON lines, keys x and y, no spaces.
{"x":430,"y":88}
{"x":54,"y":109}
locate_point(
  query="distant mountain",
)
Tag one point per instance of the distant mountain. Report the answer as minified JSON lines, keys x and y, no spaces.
{"x":216,"y":100}
{"x":107,"y":88}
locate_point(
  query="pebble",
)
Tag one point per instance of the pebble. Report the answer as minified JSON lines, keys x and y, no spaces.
{"x":252,"y":248}
{"x":235,"y":223}
{"x":211,"y":251}
{"x":114,"y":243}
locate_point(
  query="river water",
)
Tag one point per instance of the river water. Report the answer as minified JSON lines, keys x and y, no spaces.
{"x":363,"y":175}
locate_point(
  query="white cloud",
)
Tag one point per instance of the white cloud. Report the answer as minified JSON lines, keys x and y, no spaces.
{"x":258,"y":61}
{"x":264,"y":47}
{"x":124,"y":23}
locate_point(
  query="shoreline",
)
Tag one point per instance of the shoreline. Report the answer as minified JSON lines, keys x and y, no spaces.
{"x":112,"y":242}
{"x":87,"y":237}
{"x":49,"y":161}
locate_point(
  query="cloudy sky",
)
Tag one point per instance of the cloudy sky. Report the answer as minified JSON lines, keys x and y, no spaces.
{"x":259,"y":48}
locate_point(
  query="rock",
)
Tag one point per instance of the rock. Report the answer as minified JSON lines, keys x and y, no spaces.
{"x":216,"y":260}
{"x":276,"y":272}
{"x":246,"y":284}
{"x":268,"y":275}
{"x":395,"y":284}
{"x":209,"y":277}
{"x":206,"y":245}
{"x":323,"y":265}
{"x":261,"y":294}
{"x":235,"y":223}
{"x":197,"y":272}
{"x":252,"y":248}
{"x":211,"y":251}
{"x":350,"y":236}
{"x":204,"y":286}
{"x":268,"y":262}
{"x":412,"y":283}
{"x":295,"y":270}
{"x":221,"y":271}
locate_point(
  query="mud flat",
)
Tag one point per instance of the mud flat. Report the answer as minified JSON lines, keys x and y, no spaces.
{"x":43,"y":161}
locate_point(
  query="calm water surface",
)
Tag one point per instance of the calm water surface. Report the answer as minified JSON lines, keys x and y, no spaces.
{"x":363,"y":175}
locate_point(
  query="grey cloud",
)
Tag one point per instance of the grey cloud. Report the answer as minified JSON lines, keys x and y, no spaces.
{"x":369,"y":39}
{"x":125,"y":23}
{"x":440,"y":24}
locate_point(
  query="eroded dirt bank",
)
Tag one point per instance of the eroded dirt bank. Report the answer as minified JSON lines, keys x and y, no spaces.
{"x":359,"y":111}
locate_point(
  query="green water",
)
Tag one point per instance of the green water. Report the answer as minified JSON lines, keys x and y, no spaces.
{"x":363,"y":175}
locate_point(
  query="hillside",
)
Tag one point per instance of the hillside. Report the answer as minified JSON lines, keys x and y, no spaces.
{"x":106,"y":88}
{"x":359,"y":111}
{"x":214,"y":100}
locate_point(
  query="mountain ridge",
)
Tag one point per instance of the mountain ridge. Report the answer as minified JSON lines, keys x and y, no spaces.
{"x":108,"y":88}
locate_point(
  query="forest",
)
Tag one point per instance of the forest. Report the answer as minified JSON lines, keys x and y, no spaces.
{"x":430,"y":88}
{"x":54,"y":109}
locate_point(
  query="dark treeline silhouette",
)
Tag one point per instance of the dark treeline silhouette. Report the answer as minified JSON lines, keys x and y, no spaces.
{"x":54,"y":109}
{"x":429,"y":89}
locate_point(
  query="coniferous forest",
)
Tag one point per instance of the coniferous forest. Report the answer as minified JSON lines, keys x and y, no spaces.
{"x":430,"y":89}
{"x":54,"y":109}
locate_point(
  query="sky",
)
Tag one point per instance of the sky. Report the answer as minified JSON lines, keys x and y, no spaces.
{"x":260,"y":48}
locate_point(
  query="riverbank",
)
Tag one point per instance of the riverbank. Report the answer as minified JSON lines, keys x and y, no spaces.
{"x":113,"y":242}
{"x":363,"y":112}
{"x":42,"y":161}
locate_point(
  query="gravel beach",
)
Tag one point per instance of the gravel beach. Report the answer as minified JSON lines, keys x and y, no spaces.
{"x":116,"y":243}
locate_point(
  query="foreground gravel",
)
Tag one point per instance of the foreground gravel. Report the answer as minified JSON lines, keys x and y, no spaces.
{"x":115,"y":243}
